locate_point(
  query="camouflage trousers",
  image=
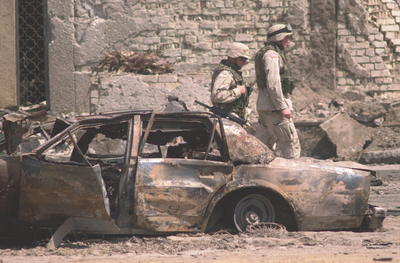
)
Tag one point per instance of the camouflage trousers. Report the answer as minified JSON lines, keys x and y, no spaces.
{"x":273,"y":129}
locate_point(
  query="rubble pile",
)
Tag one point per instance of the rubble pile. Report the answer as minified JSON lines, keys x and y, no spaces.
{"x":141,"y":63}
{"x":354,"y":127}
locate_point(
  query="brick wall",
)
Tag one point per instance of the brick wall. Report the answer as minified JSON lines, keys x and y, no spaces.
{"x":349,"y":45}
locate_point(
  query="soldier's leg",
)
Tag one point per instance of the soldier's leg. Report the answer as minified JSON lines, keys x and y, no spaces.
{"x":282,"y":132}
{"x":262,"y":133}
{"x":288,"y":141}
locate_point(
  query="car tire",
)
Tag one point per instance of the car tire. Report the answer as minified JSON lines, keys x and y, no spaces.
{"x":252,"y":209}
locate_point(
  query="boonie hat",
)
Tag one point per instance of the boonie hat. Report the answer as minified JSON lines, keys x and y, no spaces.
{"x":279,"y":32}
{"x":237,"y":49}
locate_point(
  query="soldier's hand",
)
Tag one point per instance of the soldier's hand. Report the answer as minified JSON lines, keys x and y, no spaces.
{"x":286,"y":113}
{"x":242,"y":89}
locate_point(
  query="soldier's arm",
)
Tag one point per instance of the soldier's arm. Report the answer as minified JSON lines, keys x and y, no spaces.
{"x":220,"y":92}
{"x":272,"y":65}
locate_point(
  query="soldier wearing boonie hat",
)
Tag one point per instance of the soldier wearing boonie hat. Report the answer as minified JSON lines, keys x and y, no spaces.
{"x":228,"y":91}
{"x":275,"y":84}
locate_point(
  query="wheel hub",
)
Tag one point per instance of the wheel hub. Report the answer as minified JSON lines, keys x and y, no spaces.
{"x":252,"y":218}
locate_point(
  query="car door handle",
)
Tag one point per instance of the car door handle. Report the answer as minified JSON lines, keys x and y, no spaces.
{"x":201,"y":176}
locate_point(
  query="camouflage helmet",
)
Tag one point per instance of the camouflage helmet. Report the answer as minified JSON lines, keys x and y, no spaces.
{"x":237,"y":49}
{"x":279,"y":32}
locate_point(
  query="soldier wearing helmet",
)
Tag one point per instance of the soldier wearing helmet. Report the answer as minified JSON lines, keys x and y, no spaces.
{"x":228,"y":91}
{"x":275,"y":84}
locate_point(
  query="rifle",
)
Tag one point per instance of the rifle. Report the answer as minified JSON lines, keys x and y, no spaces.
{"x":223,"y":113}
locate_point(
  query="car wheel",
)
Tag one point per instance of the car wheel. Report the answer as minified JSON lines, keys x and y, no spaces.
{"x":251,"y":210}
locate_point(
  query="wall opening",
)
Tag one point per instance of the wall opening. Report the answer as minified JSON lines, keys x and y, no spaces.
{"x":31,"y":52}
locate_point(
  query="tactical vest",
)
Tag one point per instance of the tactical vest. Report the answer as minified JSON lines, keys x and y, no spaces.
{"x":237,"y":106}
{"x":287,"y":81}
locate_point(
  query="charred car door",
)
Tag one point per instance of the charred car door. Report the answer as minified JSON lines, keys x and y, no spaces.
{"x":181,"y":166}
{"x":73,"y":175}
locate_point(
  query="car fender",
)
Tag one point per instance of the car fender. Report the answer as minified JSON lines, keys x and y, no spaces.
{"x":236,"y":185}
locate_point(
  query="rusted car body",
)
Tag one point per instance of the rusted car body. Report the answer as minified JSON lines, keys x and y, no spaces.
{"x":139,"y":172}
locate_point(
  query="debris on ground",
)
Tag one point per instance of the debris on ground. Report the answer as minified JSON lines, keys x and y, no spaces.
{"x":146,"y":63}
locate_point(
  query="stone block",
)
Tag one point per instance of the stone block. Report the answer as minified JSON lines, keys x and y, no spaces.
{"x":386,"y":21}
{"x":360,"y":38}
{"x":360,"y":52}
{"x":185,"y":79}
{"x":172,"y":52}
{"x":379,"y":66}
{"x":387,"y":80}
{"x":379,"y":51}
{"x":190,"y":39}
{"x":358,"y":45}
{"x":157,"y":85}
{"x":390,"y":28}
{"x":370,"y":52}
{"x":228,"y":4}
{"x":171,"y":85}
{"x":395,"y":13}
{"x":373,"y":30}
{"x":371,"y":38}
{"x":390,"y":35}
{"x":395,"y":42}
{"x":207,"y":25}
{"x":167,"y":78}
{"x":261,"y":25}
{"x":144,"y":47}
{"x":226,"y":25}
{"x":395,"y":86}
{"x":202,"y":46}
{"x":229,"y":11}
{"x":379,"y":44}
{"x":347,"y":147}
{"x":275,"y":4}
{"x":378,"y":81}
{"x":391,"y":6}
{"x":369,"y":66}
{"x":350,"y":81}
{"x":380,"y":73}
{"x":343,"y":32}
{"x":150,"y":78}
{"x":243,"y":38}
{"x":376,"y":59}
{"x":379,"y":37}
{"x":244,"y":24}
{"x":82,"y":87}
{"x":347,"y":39}
{"x":341,"y":81}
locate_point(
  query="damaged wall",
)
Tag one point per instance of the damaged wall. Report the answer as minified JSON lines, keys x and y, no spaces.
{"x":336,"y":44}
{"x":8,"y":57}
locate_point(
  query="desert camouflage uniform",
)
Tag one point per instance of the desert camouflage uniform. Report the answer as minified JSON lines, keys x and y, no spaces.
{"x":275,"y":85}
{"x":224,"y":93}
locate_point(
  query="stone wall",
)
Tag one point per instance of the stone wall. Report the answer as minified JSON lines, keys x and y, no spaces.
{"x":345,"y":45}
{"x":8,"y":56}
{"x":368,"y":45}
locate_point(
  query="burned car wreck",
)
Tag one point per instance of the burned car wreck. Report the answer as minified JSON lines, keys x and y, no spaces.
{"x":141,"y":172}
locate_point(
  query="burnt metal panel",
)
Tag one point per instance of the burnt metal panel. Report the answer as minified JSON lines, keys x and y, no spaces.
{"x":51,"y":193}
{"x":245,"y":148}
{"x":10,"y":171}
{"x":173,"y":194}
{"x":127,"y":182}
{"x":323,"y":196}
